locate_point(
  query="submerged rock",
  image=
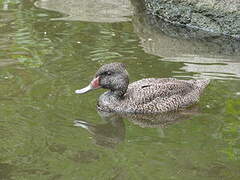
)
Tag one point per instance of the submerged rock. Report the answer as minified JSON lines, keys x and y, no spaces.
{"x":218,"y":16}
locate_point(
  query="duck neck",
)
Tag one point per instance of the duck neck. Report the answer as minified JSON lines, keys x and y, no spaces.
{"x":120,"y":86}
{"x":119,"y":93}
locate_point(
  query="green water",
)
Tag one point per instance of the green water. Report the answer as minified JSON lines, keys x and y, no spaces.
{"x":43,"y":59}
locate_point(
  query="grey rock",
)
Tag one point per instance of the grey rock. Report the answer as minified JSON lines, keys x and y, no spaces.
{"x":216,"y":16}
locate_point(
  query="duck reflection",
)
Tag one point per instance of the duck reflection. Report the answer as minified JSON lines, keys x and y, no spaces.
{"x":113,"y":131}
{"x":108,"y":134}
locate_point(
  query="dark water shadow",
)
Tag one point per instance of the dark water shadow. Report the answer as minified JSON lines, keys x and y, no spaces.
{"x":113,"y":132}
{"x":6,"y":170}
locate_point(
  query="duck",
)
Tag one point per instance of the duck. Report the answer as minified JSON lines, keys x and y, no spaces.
{"x":145,"y":96}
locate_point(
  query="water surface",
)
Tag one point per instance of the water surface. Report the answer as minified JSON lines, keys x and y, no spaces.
{"x":44,"y":57}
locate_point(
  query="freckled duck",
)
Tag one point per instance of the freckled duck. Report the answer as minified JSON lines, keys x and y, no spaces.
{"x":151,"y":95}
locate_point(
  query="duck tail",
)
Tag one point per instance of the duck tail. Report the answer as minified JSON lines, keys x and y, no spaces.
{"x":201,"y":84}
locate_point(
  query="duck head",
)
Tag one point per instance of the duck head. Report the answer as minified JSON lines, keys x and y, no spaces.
{"x":111,"y":76}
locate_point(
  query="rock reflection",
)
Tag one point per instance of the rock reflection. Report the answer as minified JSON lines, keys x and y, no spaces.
{"x":113,"y":132}
{"x":90,"y":10}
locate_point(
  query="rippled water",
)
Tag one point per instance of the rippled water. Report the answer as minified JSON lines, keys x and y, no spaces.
{"x":45,"y":56}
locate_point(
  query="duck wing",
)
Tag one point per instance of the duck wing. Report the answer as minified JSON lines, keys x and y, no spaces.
{"x":144,"y":91}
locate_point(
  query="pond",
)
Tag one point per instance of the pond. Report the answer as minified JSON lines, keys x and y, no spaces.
{"x":48,"y":50}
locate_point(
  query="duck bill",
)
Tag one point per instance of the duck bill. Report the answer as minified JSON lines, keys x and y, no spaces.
{"x":84,"y":90}
{"x":93,"y":85}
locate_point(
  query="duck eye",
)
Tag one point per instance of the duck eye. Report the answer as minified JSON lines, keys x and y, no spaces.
{"x":108,"y":73}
